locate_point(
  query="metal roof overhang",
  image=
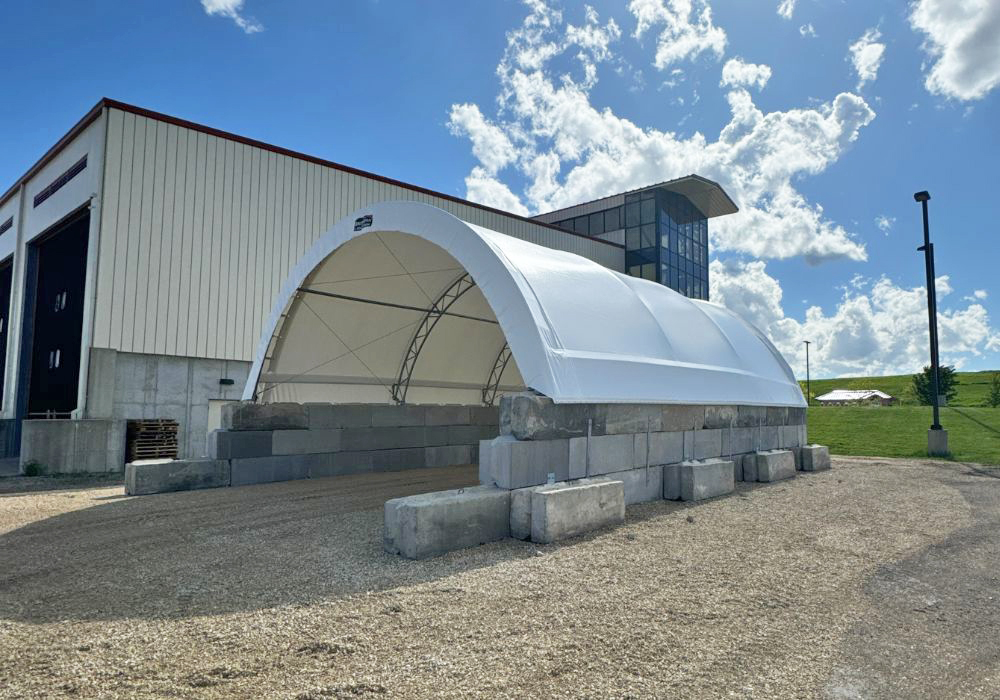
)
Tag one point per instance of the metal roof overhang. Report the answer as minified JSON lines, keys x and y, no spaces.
{"x":705,"y":194}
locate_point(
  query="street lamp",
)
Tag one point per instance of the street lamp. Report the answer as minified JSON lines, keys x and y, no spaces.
{"x":808,"y":389}
{"x":937,"y":437}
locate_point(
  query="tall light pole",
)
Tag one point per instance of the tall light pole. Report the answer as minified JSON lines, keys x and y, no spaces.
{"x":808,"y":389}
{"x":937,"y":437}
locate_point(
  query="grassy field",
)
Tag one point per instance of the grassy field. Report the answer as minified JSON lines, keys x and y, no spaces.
{"x":901,"y":431}
{"x":973,"y":387}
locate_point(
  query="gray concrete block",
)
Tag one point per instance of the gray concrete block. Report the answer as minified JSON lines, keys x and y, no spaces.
{"x":774,"y":465}
{"x":737,"y":467}
{"x":706,"y":479}
{"x":399,"y":460}
{"x":175,"y":475}
{"x":575,"y":508}
{"x":230,"y":444}
{"x":721,"y":416}
{"x":497,"y":448}
{"x":385,"y":416}
{"x":530,"y":416}
{"x":448,"y":455}
{"x":435,"y":435}
{"x":262,"y":470}
{"x":937,"y":443}
{"x":672,"y":482}
{"x":382,"y":438}
{"x":484,"y":415}
{"x":466,"y":434}
{"x":517,"y":463}
{"x":776,"y":415}
{"x":814,"y":458}
{"x":612,"y":453}
{"x":666,"y":448}
{"x":324,"y":416}
{"x":245,"y":415}
{"x":302,"y":442}
{"x":789,"y":436}
{"x":751,"y":416}
{"x":577,"y":458}
{"x":767,"y":438}
{"x":797,"y":415}
{"x":641,"y":485}
{"x":520,"y":510}
{"x":339,"y":464}
{"x":447,"y":415}
{"x":702,"y":444}
{"x":750,"y":467}
{"x":681,"y":417}
{"x":738,"y":441}
{"x":631,"y":418}
{"x":430,"y":524}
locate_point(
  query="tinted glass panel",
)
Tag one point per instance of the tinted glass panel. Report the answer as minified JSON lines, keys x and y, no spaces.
{"x":648,"y":212}
{"x":632,"y":214}
{"x":596,"y":223}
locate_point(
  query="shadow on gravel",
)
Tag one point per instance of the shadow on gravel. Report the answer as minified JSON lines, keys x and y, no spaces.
{"x":223,"y":550}
{"x":936,"y":619}
{"x":21,"y":485}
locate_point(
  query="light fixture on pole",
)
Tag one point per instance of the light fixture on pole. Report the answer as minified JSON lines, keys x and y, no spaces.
{"x":808,"y":389}
{"x":937,"y":437}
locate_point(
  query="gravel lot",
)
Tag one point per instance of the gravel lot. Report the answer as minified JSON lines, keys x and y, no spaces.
{"x":878,"y":579}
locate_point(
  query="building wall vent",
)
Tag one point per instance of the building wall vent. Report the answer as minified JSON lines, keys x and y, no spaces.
{"x":61,"y":181}
{"x":151,"y":439}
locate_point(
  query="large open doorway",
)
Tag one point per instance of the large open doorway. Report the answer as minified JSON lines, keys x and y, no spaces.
{"x":57,"y":268}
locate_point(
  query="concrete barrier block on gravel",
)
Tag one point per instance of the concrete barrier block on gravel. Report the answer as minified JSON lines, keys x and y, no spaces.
{"x":430,"y":524}
{"x":814,"y":458}
{"x":571,"y":509}
{"x":775,"y":465}
{"x":176,"y":475}
{"x":709,"y":478}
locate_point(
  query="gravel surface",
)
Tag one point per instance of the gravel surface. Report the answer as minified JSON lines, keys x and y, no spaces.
{"x":876,"y":579}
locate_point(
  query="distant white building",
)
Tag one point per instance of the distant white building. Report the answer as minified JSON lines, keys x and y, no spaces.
{"x":843,"y":397}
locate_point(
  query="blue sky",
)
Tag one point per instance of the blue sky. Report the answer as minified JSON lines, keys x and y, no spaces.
{"x":537,"y":105}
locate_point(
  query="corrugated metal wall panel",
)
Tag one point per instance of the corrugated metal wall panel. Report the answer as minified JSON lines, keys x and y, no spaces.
{"x":198,"y":233}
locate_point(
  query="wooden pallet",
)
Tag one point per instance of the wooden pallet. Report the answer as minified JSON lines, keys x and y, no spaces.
{"x":151,"y":439}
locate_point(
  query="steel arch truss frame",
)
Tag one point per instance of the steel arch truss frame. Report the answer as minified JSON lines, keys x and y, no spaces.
{"x":493,"y":383}
{"x":438,"y":308}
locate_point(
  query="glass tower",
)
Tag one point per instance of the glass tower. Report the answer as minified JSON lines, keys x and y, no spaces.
{"x":666,"y":238}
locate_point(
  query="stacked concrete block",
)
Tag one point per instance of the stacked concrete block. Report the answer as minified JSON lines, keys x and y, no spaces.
{"x":430,"y":524}
{"x":641,"y":485}
{"x":245,"y":415}
{"x":574,"y":508}
{"x":175,"y":475}
{"x":813,"y":458}
{"x":514,"y":464}
{"x":73,"y":446}
{"x":775,"y":465}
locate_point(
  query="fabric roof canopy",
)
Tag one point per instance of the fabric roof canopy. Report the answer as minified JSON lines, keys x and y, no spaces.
{"x":405,"y":301}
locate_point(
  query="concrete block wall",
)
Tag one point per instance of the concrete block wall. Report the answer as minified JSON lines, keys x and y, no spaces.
{"x":73,"y":446}
{"x":542,"y":441}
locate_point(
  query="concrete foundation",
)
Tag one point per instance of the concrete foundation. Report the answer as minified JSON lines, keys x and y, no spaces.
{"x":426,"y":525}
{"x":813,"y":458}
{"x":775,"y":465}
{"x":567,"y":510}
{"x":937,"y":443}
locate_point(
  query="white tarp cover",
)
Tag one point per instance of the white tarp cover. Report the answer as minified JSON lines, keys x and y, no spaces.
{"x":579,"y":332}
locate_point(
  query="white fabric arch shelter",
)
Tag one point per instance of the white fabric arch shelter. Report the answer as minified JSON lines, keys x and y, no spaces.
{"x":404,"y":301}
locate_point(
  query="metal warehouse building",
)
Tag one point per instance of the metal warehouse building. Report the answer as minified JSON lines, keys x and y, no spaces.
{"x":141,"y":256}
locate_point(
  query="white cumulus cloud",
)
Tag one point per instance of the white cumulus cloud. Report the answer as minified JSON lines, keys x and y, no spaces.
{"x":885,"y":223}
{"x":876,"y":331}
{"x":808,"y":30}
{"x":560,"y":149}
{"x":963,"y":42}
{"x":786,"y":8}
{"x":736,"y":73}
{"x":866,"y":55}
{"x":686,"y":29}
{"x":233,"y":10}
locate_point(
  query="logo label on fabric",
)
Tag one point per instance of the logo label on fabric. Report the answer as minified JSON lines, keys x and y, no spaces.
{"x":362,"y":222}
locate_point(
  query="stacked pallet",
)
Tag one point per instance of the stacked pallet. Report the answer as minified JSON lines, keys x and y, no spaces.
{"x":151,"y":439}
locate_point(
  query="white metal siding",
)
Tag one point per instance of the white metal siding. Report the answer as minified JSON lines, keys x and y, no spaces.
{"x":198,"y":233}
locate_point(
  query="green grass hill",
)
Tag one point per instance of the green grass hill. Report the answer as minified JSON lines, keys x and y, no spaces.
{"x":973,"y":387}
